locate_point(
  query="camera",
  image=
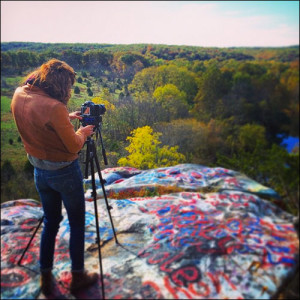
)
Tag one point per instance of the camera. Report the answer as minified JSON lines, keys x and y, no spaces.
{"x":91,"y":113}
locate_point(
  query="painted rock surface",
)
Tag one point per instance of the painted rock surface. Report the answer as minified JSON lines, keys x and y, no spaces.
{"x":186,"y":231}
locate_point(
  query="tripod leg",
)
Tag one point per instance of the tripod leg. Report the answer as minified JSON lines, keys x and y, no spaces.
{"x":97,"y":225}
{"x":104,"y":193}
{"x":87,"y":158}
{"x":32,"y":237}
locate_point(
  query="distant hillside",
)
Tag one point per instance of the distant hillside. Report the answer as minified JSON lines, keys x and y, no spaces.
{"x":9,"y":46}
{"x":178,"y":51}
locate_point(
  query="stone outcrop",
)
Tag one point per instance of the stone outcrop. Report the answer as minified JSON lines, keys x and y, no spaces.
{"x":186,"y":231}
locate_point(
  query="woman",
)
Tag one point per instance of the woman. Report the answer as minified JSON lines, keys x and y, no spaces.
{"x":40,"y":111}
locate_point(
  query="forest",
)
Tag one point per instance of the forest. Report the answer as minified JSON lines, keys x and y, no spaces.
{"x":168,"y":104}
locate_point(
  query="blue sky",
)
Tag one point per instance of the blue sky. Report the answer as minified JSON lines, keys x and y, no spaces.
{"x":195,"y":23}
{"x":287,"y":11}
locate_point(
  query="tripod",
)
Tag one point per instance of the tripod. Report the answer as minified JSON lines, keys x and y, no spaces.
{"x":91,"y":158}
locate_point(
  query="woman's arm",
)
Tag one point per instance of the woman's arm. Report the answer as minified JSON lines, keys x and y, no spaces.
{"x":60,"y":122}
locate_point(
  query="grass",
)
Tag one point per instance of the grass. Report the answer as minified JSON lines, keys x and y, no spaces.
{"x":14,"y":81}
{"x":5,"y":104}
{"x":11,"y":147}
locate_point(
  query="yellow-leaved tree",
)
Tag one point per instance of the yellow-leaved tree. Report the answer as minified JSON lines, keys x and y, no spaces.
{"x":108,"y":105}
{"x":145,"y":153}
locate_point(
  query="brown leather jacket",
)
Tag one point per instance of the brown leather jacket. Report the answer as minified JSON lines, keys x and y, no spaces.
{"x":44,"y":125}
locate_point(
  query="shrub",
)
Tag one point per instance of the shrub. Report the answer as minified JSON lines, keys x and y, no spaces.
{"x":76,"y":90}
{"x":7,"y":171}
{"x":89,"y":91}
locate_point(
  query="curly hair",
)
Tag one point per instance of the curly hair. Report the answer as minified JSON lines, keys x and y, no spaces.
{"x":55,"y":78}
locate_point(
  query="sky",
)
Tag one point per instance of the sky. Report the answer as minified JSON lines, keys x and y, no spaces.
{"x":192,"y":23}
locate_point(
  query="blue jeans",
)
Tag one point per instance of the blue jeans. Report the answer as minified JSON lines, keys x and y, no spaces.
{"x":54,"y":187}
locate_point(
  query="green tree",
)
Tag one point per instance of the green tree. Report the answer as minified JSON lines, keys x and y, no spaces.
{"x":90,"y":92}
{"x":172,"y":100}
{"x":251,"y":135}
{"x":151,"y":78}
{"x":76,"y":90}
{"x":145,"y":153}
{"x":213,"y":86}
{"x":72,"y":58}
{"x":7,"y":171}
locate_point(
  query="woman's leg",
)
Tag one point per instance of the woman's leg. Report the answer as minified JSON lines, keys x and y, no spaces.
{"x":68,"y":182}
{"x":51,"y":202}
{"x":75,"y":206}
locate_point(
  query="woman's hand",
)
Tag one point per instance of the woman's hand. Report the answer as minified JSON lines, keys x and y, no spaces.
{"x":75,"y":115}
{"x":87,"y":130}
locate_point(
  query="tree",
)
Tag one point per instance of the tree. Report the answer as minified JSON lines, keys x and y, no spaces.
{"x":213,"y":86}
{"x":90,"y":92}
{"x":108,"y":105}
{"x":96,"y":60}
{"x":7,"y":171}
{"x":127,"y":64}
{"x":172,"y":100}
{"x":73,"y":58}
{"x":151,"y":78}
{"x":145,"y":152}
{"x":251,"y":135}
{"x":76,"y":90}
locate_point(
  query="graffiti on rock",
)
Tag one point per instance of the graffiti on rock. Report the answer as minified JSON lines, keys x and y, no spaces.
{"x":227,"y":242}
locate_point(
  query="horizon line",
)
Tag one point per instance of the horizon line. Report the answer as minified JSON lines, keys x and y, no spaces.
{"x":178,"y":45}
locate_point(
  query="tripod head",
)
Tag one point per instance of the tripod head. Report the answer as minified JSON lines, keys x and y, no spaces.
{"x":91,"y":113}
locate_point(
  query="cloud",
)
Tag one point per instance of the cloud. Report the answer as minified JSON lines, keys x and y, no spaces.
{"x":126,"y":22}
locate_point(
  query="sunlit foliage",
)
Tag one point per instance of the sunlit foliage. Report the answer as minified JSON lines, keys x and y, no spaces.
{"x":145,"y":153}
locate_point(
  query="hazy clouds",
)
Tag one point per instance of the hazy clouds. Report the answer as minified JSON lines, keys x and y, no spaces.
{"x":201,"y":23}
